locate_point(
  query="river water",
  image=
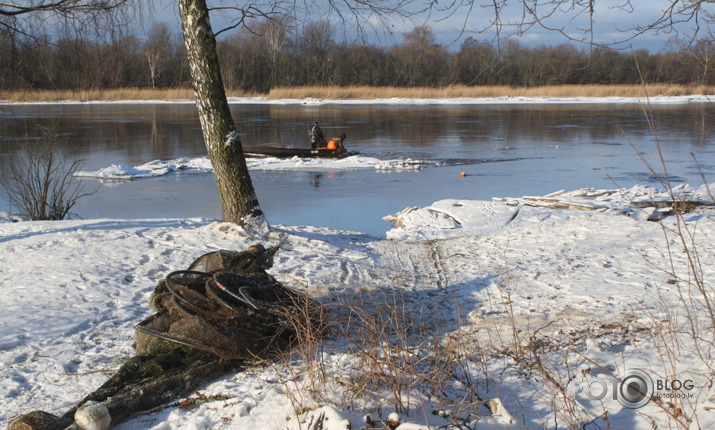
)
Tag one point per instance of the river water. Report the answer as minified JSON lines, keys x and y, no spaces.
{"x":506,"y":150}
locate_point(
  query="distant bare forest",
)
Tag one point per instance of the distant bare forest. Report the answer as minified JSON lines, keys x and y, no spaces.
{"x":273,"y":57}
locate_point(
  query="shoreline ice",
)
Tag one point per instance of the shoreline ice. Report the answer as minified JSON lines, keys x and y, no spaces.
{"x":411,"y":101}
{"x":158,"y":168}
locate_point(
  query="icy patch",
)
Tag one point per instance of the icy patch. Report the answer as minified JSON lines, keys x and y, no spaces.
{"x":160,"y":168}
{"x":151,"y":169}
{"x":312,"y":101}
{"x":6,"y":217}
{"x":448,"y":218}
{"x":478,"y":101}
{"x":355,"y":162}
{"x":407,"y":101}
{"x":639,"y":201}
{"x":416,"y":218}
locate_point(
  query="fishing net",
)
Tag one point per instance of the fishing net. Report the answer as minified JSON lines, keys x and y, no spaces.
{"x":230,"y":308}
{"x":223,"y":309}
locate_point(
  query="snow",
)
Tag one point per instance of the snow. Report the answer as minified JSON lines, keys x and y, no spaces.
{"x":481,"y":100}
{"x":453,"y":217}
{"x":203,"y":164}
{"x":232,"y":138}
{"x":429,"y":101}
{"x":93,"y":416}
{"x":585,"y":283}
{"x":148,"y":170}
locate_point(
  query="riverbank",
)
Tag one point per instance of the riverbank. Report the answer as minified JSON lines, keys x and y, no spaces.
{"x":362,"y":93}
{"x":503,"y":313}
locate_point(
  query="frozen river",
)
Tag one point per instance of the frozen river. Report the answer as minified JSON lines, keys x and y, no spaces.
{"x":506,"y":150}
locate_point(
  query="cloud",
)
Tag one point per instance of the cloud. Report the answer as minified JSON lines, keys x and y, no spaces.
{"x":612,"y":20}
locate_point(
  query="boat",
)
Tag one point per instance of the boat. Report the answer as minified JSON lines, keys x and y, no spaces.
{"x":276,"y":151}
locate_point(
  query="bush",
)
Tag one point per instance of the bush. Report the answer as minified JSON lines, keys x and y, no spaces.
{"x":39,"y":183}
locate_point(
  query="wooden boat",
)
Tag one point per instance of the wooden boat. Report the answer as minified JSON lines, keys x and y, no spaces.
{"x":275,"y":151}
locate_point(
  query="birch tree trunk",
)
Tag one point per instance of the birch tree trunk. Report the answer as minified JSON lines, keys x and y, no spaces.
{"x":238,"y":197}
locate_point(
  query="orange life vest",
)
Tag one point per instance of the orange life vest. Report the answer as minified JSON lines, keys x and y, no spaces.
{"x":335,"y":143}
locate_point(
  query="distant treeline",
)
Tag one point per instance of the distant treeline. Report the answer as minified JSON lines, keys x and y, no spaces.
{"x":271,"y":56}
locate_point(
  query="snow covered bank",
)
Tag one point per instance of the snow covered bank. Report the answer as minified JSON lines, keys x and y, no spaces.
{"x":449,"y":218}
{"x":581,"y":289}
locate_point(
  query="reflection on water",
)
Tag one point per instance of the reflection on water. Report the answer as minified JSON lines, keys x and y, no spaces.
{"x":114,"y":133}
{"x":541,"y":148}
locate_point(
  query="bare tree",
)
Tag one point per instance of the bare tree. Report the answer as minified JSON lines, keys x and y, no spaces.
{"x":423,"y":61}
{"x":476,"y":63}
{"x":575,"y":20}
{"x":16,"y":14}
{"x":704,"y":53}
{"x":157,"y":50}
{"x":275,"y":37}
{"x":23,"y":23}
{"x":40,"y":183}
{"x":317,"y":43}
{"x":238,"y":197}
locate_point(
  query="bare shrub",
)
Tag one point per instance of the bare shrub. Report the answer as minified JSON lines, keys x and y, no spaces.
{"x":683,"y":325}
{"x":393,"y":360}
{"x":39,"y":183}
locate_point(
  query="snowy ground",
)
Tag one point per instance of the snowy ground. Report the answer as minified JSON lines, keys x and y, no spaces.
{"x":532,"y":299}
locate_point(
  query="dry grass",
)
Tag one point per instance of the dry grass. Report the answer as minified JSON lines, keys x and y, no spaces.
{"x":338,"y":93}
{"x":364,"y":93}
{"x":103,"y":95}
{"x":392,"y":361}
{"x":96,"y":95}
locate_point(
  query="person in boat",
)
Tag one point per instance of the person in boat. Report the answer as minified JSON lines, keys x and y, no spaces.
{"x":336,"y":144}
{"x":315,"y":134}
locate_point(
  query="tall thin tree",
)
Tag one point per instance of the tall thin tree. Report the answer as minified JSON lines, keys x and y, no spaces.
{"x":223,"y":143}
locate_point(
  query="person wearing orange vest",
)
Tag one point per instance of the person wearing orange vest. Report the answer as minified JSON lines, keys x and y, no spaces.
{"x":336,"y":144}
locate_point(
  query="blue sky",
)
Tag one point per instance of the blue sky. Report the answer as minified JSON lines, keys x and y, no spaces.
{"x":609,"y":23}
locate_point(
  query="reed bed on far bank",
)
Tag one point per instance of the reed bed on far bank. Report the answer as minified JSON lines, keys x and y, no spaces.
{"x":362,"y":92}
{"x":340,"y":93}
{"x":20,"y":96}
{"x":119,"y":94}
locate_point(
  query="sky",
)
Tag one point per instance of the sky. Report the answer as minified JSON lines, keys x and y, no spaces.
{"x":610,"y":18}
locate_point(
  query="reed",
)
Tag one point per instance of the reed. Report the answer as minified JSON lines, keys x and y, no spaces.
{"x":340,"y":93}
{"x":119,"y":94}
{"x":95,"y":95}
{"x":362,"y":92}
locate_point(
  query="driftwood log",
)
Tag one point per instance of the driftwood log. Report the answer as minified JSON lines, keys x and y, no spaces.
{"x":221,"y":312}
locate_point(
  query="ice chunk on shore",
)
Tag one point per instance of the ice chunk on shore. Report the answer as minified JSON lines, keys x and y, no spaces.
{"x":447,"y":218}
